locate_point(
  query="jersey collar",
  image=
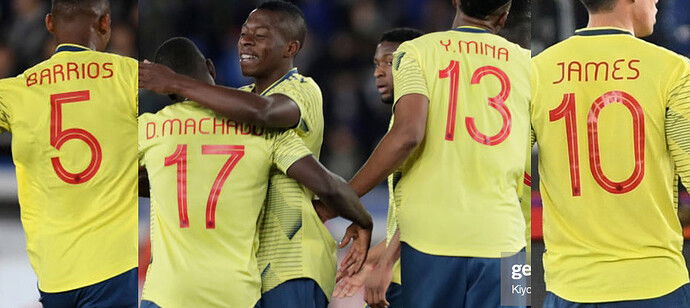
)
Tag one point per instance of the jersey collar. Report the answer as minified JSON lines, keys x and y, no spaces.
{"x":70,"y":47}
{"x":601,"y":31}
{"x":275,"y":84}
{"x":470,"y":29}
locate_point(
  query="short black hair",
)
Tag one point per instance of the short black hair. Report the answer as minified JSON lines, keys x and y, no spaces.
{"x":72,"y":8}
{"x":595,"y":6}
{"x":481,"y":9}
{"x":296,"y":25}
{"x":182,"y":56}
{"x":400,"y":35}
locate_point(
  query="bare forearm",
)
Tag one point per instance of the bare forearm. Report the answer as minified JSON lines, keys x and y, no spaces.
{"x":376,"y":253}
{"x":346,"y":203}
{"x":392,"y":252}
{"x":235,"y":104}
{"x":388,"y":156}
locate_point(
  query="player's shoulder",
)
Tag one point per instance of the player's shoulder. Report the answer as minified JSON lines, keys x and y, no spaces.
{"x":174,"y":110}
{"x":303,"y":83}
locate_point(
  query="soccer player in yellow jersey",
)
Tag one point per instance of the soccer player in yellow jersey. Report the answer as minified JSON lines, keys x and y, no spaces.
{"x":386,"y":274}
{"x":297,"y":254}
{"x":73,"y":124}
{"x":611,"y":114}
{"x":204,"y":239}
{"x":460,"y":140}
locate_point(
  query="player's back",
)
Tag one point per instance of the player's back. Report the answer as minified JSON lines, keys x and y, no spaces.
{"x":458,"y":193}
{"x":73,"y":120}
{"x":607,"y":177}
{"x":209,"y":178}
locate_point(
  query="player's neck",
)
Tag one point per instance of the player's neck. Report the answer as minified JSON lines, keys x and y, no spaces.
{"x":262,"y":83}
{"x":462,"y":20}
{"x":611,"y":19}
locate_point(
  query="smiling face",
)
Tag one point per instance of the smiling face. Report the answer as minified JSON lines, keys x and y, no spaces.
{"x":644,"y":17}
{"x":261,"y":46}
{"x":383,"y":71}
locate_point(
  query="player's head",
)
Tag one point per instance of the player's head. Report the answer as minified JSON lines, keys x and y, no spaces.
{"x":271,"y":37}
{"x":80,"y":22}
{"x":383,"y":59}
{"x":182,"y":56}
{"x":641,"y":13}
{"x":492,"y":12}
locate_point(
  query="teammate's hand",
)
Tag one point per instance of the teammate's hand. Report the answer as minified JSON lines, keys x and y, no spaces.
{"x":355,"y":257}
{"x":376,"y":285}
{"x":349,"y":286}
{"x":156,"y":77}
{"x":325,"y":213}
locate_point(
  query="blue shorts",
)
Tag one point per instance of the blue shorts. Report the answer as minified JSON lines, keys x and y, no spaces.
{"x":441,"y":281}
{"x":296,"y":293}
{"x":394,"y":295}
{"x":680,"y":298}
{"x":120,"y":291}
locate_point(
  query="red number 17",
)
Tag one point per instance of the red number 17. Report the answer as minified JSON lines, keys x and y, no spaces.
{"x":179,"y":158}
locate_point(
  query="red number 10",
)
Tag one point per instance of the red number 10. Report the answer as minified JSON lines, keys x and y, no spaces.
{"x":497,"y":102}
{"x":567,"y":110}
{"x":179,"y":158}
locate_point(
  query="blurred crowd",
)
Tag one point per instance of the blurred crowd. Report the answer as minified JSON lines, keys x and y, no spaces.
{"x":338,"y":54}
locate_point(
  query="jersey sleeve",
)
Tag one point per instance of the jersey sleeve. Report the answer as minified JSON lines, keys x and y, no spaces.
{"x":143,"y":144}
{"x":288,"y":148}
{"x":678,"y":124}
{"x":408,"y":76}
{"x":308,"y":99}
{"x":4,"y":116}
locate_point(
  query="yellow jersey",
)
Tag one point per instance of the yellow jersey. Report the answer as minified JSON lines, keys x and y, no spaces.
{"x":460,"y":189}
{"x":73,"y":124}
{"x":294,"y":241}
{"x":391,"y":218}
{"x":612,"y":121}
{"x":209,"y":177}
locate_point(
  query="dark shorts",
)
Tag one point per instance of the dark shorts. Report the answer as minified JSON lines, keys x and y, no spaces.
{"x":394,"y":295}
{"x":680,"y":298}
{"x":117,"y":292}
{"x":296,"y":293}
{"x":441,"y":281}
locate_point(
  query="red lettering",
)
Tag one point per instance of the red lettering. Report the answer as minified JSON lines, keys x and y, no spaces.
{"x":150,"y":130}
{"x":190,"y":123}
{"x":45,"y":73}
{"x":108,"y":68}
{"x":616,"y":67}
{"x":31,"y":80}
{"x":57,"y":69}
{"x":562,"y":65}
{"x":201,"y":125}
{"x":631,"y":67}
{"x":96,"y":73}
{"x":445,"y":45}
{"x":72,"y":68}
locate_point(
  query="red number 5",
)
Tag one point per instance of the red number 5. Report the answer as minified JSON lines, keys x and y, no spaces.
{"x":58,"y":137}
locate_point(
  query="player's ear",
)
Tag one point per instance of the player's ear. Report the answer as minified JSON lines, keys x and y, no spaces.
{"x":211,"y":68}
{"x":501,"y":22}
{"x":104,"y":23}
{"x":50,"y":23}
{"x":292,"y":48}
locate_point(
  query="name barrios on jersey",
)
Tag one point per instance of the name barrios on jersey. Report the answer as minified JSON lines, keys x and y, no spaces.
{"x":62,"y":72}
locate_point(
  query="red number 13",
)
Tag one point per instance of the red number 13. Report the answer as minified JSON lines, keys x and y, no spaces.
{"x":497,"y":102}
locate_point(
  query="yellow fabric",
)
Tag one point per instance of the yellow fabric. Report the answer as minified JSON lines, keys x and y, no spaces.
{"x":461,"y":197}
{"x":198,"y":265}
{"x":84,"y":231}
{"x":294,"y":242}
{"x":391,"y":219}
{"x":623,"y":243}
